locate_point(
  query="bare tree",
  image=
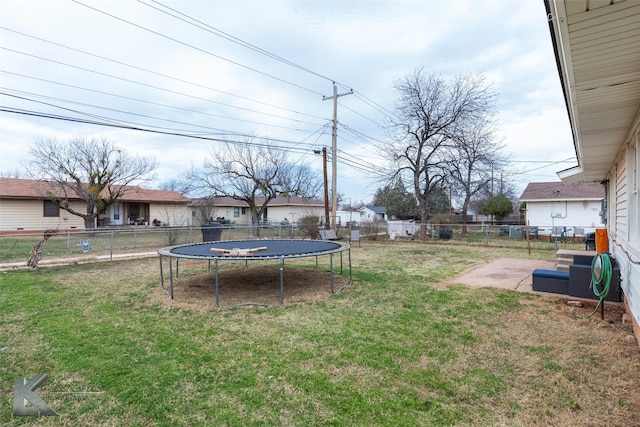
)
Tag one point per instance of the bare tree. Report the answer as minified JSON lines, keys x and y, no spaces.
{"x":428,"y":114}
{"x":477,"y":156}
{"x":180,"y":185}
{"x":256,"y":173}
{"x":94,"y":170}
{"x":16,"y":173}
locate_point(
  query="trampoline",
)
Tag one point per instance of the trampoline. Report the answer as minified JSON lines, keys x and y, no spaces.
{"x":253,"y":250}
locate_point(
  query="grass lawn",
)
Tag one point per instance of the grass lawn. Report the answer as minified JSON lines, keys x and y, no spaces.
{"x":402,"y":346}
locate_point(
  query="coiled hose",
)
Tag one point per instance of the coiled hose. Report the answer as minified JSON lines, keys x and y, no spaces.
{"x":600,"y":283}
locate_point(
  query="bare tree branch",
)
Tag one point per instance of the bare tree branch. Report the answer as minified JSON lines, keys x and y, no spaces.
{"x":94,"y":170}
{"x":424,"y":131}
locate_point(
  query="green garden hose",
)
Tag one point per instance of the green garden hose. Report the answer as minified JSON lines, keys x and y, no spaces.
{"x":601,"y":273}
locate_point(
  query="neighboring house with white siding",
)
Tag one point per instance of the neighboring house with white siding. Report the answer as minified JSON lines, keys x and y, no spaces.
{"x":574,"y":208}
{"x":282,"y":209}
{"x":25,"y":206}
{"x":598,"y":55}
{"x":373,"y":214}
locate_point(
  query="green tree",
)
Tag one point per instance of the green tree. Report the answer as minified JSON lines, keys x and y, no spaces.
{"x":499,"y":206}
{"x":399,"y":202}
{"x":438,"y":202}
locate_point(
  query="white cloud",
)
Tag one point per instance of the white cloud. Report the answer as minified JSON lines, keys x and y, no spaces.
{"x":365,"y":45}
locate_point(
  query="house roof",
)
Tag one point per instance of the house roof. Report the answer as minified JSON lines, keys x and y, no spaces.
{"x":598,"y":57}
{"x":278,"y":201}
{"x":561,"y":191}
{"x":376,"y":209}
{"x":13,"y":188}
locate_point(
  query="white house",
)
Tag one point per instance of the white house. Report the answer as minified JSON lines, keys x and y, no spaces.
{"x":343,"y":218}
{"x":25,"y":205}
{"x":282,"y":209}
{"x":574,"y":208}
{"x":597,"y":47}
{"x":373,"y":214}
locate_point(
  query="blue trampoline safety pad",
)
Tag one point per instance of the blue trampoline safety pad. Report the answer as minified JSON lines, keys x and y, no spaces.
{"x":274,"y":249}
{"x":551,"y":274}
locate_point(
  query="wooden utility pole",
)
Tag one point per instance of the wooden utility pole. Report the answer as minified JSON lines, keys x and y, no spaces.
{"x":334,"y":152}
{"x":326,"y":189}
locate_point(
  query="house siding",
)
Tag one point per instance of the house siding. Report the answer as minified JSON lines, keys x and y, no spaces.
{"x":584,"y":214}
{"x":27,"y":215}
{"x":172,"y":214}
{"x":621,"y":224}
{"x":22,"y":206}
{"x":293,"y":213}
{"x":626,"y":248}
{"x":290,"y":207}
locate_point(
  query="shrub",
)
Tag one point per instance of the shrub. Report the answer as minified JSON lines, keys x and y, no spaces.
{"x":309,"y":226}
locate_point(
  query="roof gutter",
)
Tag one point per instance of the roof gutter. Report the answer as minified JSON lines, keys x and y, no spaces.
{"x":571,"y":175}
{"x":556,"y":14}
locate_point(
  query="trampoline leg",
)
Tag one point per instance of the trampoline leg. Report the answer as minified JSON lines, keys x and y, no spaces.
{"x":177,"y":267}
{"x":217,"y":294}
{"x":171,"y":278}
{"x":331,"y":270}
{"x":162,"y":277}
{"x":350,"y":272}
{"x":281,"y":280}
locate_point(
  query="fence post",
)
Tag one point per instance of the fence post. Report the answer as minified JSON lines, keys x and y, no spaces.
{"x":111,"y":247}
{"x":68,"y":239}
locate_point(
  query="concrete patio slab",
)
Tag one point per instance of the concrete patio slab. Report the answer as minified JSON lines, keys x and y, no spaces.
{"x":505,"y":273}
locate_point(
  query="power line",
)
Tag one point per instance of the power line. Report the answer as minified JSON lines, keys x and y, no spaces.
{"x":108,"y":122}
{"x":198,"y":49}
{"x":206,"y":27}
{"x":127,"y":80}
{"x":144,"y":115}
{"x":113,"y":124}
{"x":165,"y":76}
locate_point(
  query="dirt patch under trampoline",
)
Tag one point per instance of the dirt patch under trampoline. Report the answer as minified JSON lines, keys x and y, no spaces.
{"x":259,"y":285}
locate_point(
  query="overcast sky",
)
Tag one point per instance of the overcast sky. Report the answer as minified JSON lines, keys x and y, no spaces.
{"x":213,"y":69}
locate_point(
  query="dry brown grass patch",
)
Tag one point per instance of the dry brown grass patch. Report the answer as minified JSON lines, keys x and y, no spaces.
{"x":259,"y":285}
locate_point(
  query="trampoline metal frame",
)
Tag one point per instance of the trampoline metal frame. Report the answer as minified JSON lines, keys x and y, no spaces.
{"x":216,"y":257}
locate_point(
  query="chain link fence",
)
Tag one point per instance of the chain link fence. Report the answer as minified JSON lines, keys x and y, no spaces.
{"x":109,"y":244}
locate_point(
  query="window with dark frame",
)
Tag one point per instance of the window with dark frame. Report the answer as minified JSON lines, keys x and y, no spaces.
{"x":50,"y":209}
{"x":244,"y":211}
{"x":236,"y":212}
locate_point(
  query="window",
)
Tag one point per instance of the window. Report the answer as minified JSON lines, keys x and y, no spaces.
{"x":236,"y":212}
{"x":50,"y":209}
{"x":244,"y":211}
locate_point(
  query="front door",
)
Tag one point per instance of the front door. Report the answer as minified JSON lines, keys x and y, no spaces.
{"x":116,"y":214}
